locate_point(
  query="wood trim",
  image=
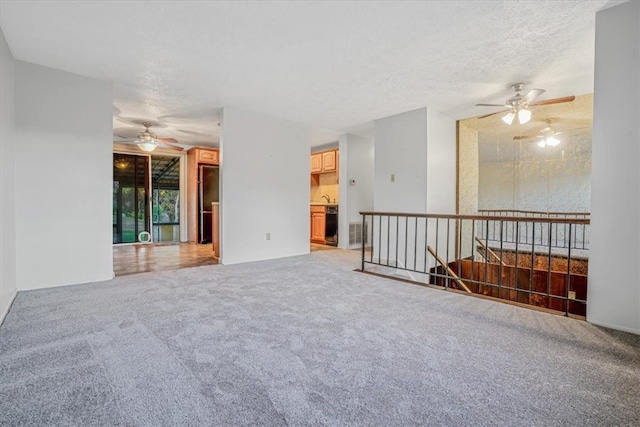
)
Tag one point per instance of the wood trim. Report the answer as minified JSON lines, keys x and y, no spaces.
{"x":215,"y":229}
{"x":482,"y":217}
{"x":534,"y":212}
{"x":458,"y":230}
{"x":121,"y":148}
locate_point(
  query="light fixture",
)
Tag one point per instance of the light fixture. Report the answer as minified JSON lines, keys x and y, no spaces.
{"x":523,"y":115}
{"x":508,"y":118}
{"x":548,"y":141}
{"x":121,"y":163}
{"x":147,"y":141}
{"x":548,"y":136}
{"x":553,"y":141}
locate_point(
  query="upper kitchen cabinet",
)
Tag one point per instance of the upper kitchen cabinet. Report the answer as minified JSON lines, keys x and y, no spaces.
{"x":329,"y":161}
{"x":324,"y":161}
{"x":206,"y":156}
{"x":316,"y":163}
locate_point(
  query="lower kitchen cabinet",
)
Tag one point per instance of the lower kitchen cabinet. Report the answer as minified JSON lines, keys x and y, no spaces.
{"x":318,"y":224}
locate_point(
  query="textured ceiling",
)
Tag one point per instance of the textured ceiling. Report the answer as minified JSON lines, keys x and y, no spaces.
{"x":334,"y":65}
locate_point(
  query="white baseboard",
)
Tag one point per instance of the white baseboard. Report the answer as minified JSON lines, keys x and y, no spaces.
{"x":616,"y":327}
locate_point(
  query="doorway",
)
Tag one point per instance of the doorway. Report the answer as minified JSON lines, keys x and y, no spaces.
{"x":146,"y":198}
{"x":165,"y":191}
{"x":131,"y":217}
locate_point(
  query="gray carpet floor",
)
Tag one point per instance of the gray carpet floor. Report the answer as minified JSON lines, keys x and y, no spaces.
{"x":303,"y":341}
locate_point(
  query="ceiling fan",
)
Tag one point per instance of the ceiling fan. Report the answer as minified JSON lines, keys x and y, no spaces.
{"x":547,"y":136}
{"x":518,"y":105}
{"x":148,"y":141}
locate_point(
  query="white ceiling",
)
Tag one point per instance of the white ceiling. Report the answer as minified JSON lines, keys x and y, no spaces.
{"x":335,"y":65}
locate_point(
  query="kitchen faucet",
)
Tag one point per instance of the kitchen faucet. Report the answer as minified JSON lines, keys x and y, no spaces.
{"x":326,"y":196}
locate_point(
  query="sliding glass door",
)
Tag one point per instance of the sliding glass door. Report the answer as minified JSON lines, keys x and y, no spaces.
{"x":165,"y":186}
{"x":131,"y":217}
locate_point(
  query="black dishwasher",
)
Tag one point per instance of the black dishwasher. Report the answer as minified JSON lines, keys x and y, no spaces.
{"x":331,"y":225}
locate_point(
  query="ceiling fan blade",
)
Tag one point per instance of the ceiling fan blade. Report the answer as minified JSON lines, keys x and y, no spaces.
{"x":168,"y":140}
{"x":524,"y":137}
{"x":553,"y":101}
{"x":490,"y":105}
{"x":171,"y":147}
{"x":170,"y":143}
{"x":533,"y":94}
{"x":492,"y":114}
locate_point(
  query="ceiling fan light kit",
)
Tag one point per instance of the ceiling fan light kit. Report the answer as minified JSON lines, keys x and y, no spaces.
{"x":523,"y":115}
{"x":548,"y":135}
{"x":519,"y":104}
{"x":147,"y":146}
{"x":147,"y":141}
{"x":548,"y":141}
{"x":508,"y":118}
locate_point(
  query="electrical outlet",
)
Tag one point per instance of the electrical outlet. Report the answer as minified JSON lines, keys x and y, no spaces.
{"x":268,"y":236}
{"x":572,"y":295}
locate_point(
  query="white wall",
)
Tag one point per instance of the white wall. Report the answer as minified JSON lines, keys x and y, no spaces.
{"x":8,"y":287}
{"x":419,"y":149}
{"x":357,"y":164}
{"x":614,"y":259}
{"x":441,"y":163}
{"x":63,"y":178}
{"x":515,"y":185}
{"x":401,"y":150}
{"x":265,"y":187}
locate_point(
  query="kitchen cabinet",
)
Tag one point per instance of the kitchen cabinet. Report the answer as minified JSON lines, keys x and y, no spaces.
{"x":329,"y":161}
{"x":206,"y":156}
{"x":316,"y":163}
{"x":318,"y":224}
{"x":325,"y":161}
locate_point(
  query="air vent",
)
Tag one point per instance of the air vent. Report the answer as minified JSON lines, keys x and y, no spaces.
{"x":355,"y":233}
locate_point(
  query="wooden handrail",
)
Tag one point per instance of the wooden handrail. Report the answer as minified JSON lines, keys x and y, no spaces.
{"x":536,"y":212}
{"x":486,"y":248}
{"x":454,"y":275}
{"x":482,"y":217}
